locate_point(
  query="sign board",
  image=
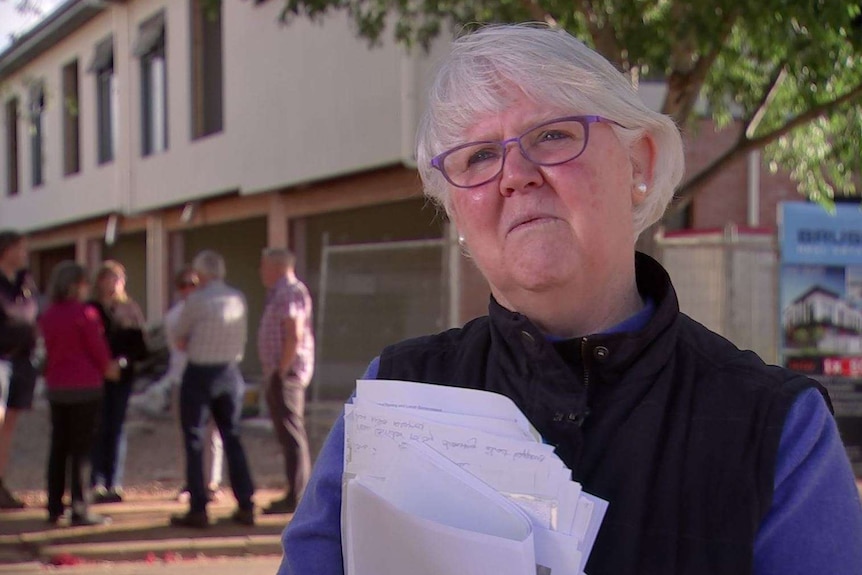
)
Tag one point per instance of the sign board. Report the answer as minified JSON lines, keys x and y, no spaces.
{"x":821,"y":307}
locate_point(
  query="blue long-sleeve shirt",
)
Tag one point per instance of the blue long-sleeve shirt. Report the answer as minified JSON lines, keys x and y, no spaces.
{"x":814,"y":525}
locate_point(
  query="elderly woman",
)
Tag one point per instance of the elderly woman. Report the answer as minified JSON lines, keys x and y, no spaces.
{"x":549,"y":165}
{"x":77,"y":361}
{"x":124,"y":322}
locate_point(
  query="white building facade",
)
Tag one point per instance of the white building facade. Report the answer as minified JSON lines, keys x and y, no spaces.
{"x":146,"y":130}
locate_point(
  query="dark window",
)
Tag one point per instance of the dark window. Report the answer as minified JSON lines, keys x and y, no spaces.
{"x":12,"y":147}
{"x":37,"y":112}
{"x":150,"y":48}
{"x":206,"y":67}
{"x":71,"y":119}
{"x":102,"y":66}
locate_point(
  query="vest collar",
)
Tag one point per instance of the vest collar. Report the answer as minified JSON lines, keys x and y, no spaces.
{"x":606,"y":353}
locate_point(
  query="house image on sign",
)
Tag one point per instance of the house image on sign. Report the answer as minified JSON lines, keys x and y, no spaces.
{"x":820,"y":321}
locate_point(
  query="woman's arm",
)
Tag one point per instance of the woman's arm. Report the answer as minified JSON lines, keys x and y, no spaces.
{"x":815,"y":522}
{"x":312,"y":541}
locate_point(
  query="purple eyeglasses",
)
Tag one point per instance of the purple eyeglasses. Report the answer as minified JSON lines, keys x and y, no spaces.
{"x":549,"y":144}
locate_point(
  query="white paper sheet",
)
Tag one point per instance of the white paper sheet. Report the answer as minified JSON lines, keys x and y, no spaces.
{"x":442,"y":398}
{"x":430,"y":518}
{"x":457,"y":466}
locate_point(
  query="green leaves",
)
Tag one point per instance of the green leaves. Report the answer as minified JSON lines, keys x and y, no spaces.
{"x":789,"y":70}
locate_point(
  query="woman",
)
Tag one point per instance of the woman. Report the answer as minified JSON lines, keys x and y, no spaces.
{"x":77,"y":361}
{"x":549,"y":165}
{"x":124,"y":323}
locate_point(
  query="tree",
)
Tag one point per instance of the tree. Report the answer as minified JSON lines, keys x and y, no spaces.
{"x":789,"y":71}
{"x":31,"y":8}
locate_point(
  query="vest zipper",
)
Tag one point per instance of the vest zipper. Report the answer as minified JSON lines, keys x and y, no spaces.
{"x":584,"y":361}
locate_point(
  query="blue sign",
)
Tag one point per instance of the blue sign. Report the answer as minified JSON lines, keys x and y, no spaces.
{"x":811,"y":235}
{"x":821,"y":307}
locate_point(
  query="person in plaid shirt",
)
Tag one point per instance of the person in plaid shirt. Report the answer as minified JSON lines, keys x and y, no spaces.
{"x":286,"y":346}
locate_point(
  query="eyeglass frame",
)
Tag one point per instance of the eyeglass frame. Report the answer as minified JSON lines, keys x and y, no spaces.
{"x":585,"y":121}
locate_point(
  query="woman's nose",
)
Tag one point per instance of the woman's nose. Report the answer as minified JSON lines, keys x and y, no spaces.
{"x":518,"y":174}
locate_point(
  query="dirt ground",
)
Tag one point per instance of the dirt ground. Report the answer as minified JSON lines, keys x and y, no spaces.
{"x":153,"y":465}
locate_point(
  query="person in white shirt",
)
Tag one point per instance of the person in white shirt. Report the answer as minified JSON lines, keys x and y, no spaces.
{"x":212,"y":330}
{"x":185,"y":282}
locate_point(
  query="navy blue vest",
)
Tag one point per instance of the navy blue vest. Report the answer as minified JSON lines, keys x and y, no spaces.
{"x":673,"y":425}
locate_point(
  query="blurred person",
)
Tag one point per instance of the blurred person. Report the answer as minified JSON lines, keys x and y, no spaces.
{"x":18,"y":311}
{"x":185,"y":282}
{"x":124,"y":323}
{"x":77,"y":362}
{"x":549,"y":165}
{"x":212,"y":331}
{"x":286,"y":348}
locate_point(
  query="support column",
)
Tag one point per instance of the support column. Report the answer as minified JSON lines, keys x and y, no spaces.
{"x":176,"y":255}
{"x":81,"y":251}
{"x":88,"y":252}
{"x":276,"y":222}
{"x":157,"y":268}
{"x":94,"y":253}
{"x":299,"y":244}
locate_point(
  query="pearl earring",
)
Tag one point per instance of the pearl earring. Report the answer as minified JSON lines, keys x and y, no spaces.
{"x":461,"y":240}
{"x":642,"y":188}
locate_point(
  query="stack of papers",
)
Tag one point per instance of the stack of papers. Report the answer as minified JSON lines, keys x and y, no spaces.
{"x":441,"y":480}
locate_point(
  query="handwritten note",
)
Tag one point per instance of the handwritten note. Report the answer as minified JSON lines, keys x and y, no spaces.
{"x":483,"y":436}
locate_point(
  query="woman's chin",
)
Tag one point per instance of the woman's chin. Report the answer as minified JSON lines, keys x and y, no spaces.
{"x":538,"y":275}
{"x":541,"y":264}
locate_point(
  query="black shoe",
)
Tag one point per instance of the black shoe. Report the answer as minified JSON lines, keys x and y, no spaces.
{"x":7,"y":500}
{"x":243,"y":517}
{"x":90,"y":519}
{"x":280,"y":506}
{"x":111,"y":496}
{"x":195,"y":519}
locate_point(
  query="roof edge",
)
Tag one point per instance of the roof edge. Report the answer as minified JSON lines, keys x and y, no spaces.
{"x":58,"y":25}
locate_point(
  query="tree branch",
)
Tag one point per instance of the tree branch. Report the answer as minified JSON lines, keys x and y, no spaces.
{"x":818,"y":111}
{"x":603,"y":37}
{"x":745,"y":144}
{"x":750,"y":126}
{"x":685,"y":82}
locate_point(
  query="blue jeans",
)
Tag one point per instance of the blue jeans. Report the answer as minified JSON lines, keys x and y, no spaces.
{"x":217,"y":391}
{"x":109,"y":449}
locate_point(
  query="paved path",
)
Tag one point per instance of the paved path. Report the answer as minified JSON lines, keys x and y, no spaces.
{"x":220,"y":566}
{"x":139,"y":531}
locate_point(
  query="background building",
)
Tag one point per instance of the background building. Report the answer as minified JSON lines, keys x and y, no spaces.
{"x":147,"y":130}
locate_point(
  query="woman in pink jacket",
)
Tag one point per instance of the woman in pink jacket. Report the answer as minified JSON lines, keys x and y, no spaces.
{"x":78,"y":361}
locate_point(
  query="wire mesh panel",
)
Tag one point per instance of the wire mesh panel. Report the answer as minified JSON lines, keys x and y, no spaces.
{"x":753,"y":298}
{"x":727,"y":281}
{"x":370,"y":296}
{"x":697,"y":269}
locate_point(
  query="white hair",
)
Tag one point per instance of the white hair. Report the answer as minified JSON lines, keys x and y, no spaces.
{"x":551,"y":67}
{"x":211,"y":264}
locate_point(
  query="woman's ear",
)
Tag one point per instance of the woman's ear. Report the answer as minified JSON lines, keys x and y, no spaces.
{"x":642,"y":154}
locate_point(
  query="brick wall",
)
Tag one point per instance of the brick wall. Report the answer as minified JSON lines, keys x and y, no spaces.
{"x":724,"y":199}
